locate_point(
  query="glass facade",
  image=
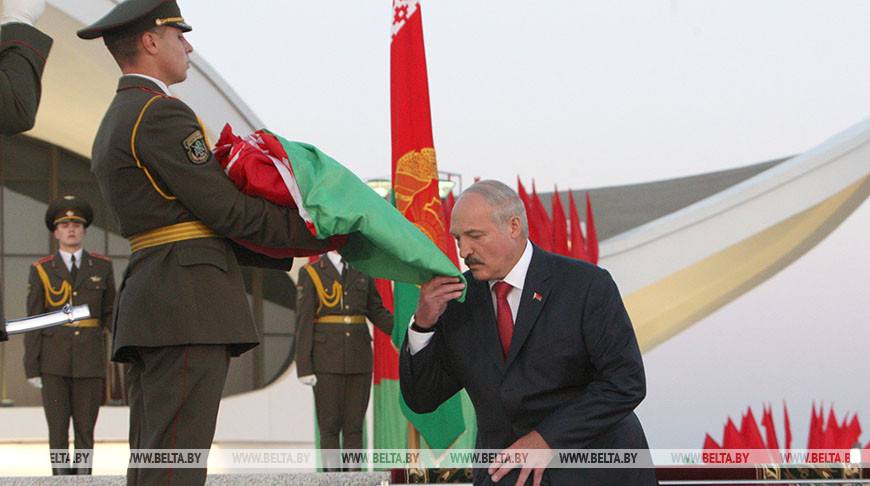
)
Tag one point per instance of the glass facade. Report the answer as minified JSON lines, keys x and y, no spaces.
{"x":32,"y":173}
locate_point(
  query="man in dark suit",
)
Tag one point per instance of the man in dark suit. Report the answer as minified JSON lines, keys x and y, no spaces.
{"x":334,"y":348}
{"x":542,"y":344}
{"x":182,"y":310}
{"x":23,"y":50}
{"x":69,"y":362}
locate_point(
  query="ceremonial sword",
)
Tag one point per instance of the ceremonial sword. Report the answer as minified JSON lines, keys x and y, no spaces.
{"x":67,"y":315}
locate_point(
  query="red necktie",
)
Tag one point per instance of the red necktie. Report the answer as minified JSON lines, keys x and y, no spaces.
{"x":504,"y":316}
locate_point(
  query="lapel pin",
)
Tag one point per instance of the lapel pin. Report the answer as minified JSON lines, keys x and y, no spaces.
{"x":537,"y":296}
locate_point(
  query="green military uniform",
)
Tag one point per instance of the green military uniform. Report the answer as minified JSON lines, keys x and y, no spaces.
{"x":70,"y":359}
{"x":182,"y":310}
{"x":333,"y":343}
{"x":23,"y":50}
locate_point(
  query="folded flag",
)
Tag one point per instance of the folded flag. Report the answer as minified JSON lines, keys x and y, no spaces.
{"x":334,"y":203}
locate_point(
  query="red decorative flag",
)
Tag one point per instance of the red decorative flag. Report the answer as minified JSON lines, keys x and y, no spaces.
{"x":542,"y":220}
{"x":710,"y":444}
{"x":816,"y":437}
{"x":417,"y":197}
{"x":787,"y":426}
{"x":852,"y":433}
{"x":560,"y":226}
{"x":534,"y":226}
{"x":749,"y":432}
{"x":591,"y":235}
{"x":731,"y":438}
{"x":578,"y":243}
{"x":769,"y":428}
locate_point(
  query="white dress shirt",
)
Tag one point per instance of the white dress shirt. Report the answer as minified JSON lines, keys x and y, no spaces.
{"x":516,"y":278}
{"x":335,"y":258}
{"x":67,"y":259}
{"x":154,"y":80}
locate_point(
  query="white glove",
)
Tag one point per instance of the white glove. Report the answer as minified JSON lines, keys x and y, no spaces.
{"x":35,"y":381}
{"x":24,"y":11}
{"x":308,"y":380}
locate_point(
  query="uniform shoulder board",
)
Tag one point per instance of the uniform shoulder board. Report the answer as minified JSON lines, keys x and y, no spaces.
{"x":42,"y":260}
{"x":99,"y":256}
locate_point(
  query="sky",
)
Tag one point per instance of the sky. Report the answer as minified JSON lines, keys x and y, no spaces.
{"x":589,"y":94}
{"x":575,"y":93}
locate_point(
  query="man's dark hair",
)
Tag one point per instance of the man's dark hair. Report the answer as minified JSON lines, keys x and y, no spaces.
{"x":124,"y":44}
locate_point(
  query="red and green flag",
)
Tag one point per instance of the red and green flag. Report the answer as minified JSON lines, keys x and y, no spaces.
{"x":417,"y":197}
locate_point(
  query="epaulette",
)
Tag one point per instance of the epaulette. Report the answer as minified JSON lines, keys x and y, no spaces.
{"x":44,"y":259}
{"x":147,"y":90}
{"x":99,"y":256}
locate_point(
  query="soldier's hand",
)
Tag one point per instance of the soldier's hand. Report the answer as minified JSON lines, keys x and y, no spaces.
{"x":308,"y":380}
{"x":35,"y":382}
{"x":434,"y":296}
{"x":24,"y":11}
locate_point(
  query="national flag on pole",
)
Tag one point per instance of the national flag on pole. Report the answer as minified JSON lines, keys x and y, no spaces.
{"x":416,"y":192}
{"x":560,"y":226}
{"x":578,"y":243}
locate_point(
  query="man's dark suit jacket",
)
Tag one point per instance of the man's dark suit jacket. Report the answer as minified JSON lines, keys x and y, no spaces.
{"x":573,"y":371}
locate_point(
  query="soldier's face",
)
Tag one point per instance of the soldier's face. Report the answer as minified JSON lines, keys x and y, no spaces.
{"x":173,"y":54}
{"x":490,"y":248}
{"x":69,"y":234}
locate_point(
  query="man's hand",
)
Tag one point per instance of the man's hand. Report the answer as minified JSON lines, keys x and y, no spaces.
{"x":35,"y":382}
{"x":434,"y":296}
{"x":308,"y":380}
{"x":536,"y":462}
{"x":24,"y":11}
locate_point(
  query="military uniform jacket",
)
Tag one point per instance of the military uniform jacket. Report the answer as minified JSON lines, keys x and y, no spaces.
{"x":23,"y":50}
{"x":78,"y":352}
{"x":337,"y":347}
{"x":155,"y":169}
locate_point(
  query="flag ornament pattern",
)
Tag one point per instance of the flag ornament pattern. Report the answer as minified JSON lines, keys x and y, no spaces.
{"x":416,"y":192}
{"x":402,"y":11}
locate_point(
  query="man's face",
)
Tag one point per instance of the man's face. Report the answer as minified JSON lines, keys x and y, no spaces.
{"x":173,"y":53}
{"x":70,"y":234}
{"x":490,"y":249}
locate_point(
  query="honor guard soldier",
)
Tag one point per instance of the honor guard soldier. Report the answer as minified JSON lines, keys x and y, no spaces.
{"x":334,"y":347}
{"x":69,"y":362}
{"x":182,"y":309}
{"x":23,"y":49}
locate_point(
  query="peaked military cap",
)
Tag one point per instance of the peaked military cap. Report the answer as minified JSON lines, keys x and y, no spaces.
{"x":68,"y":208}
{"x":131,"y":16}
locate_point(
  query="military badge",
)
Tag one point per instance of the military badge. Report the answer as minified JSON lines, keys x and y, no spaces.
{"x":196,"y":148}
{"x":96,"y":278}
